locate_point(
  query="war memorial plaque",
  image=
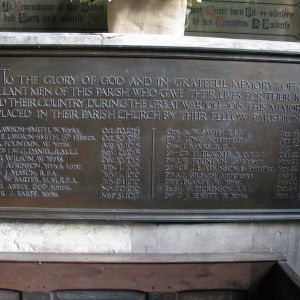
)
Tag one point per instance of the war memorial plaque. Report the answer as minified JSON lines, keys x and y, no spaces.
{"x":149,"y":136}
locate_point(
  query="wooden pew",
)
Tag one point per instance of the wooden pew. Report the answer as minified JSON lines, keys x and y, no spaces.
{"x":230,"y":276}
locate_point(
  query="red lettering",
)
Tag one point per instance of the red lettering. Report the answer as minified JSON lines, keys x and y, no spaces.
{"x":210,"y":10}
{"x":219,"y":21}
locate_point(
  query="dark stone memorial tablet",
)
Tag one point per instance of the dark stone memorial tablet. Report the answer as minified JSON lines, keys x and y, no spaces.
{"x":149,"y":136}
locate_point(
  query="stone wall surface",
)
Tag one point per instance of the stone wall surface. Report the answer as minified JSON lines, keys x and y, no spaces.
{"x":151,"y":238}
{"x":64,"y":237}
{"x":220,"y":238}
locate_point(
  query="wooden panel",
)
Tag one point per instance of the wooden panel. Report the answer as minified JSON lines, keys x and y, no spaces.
{"x":9,"y":295}
{"x":142,"y":258}
{"x":258,"y":273}
{"x":36,"y":296}
{"x":281,"y":283}
{"x":214,"y":295}
{"x":97,"y":295}
{"x":144,"y":277}
{"x":162,"y":296}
